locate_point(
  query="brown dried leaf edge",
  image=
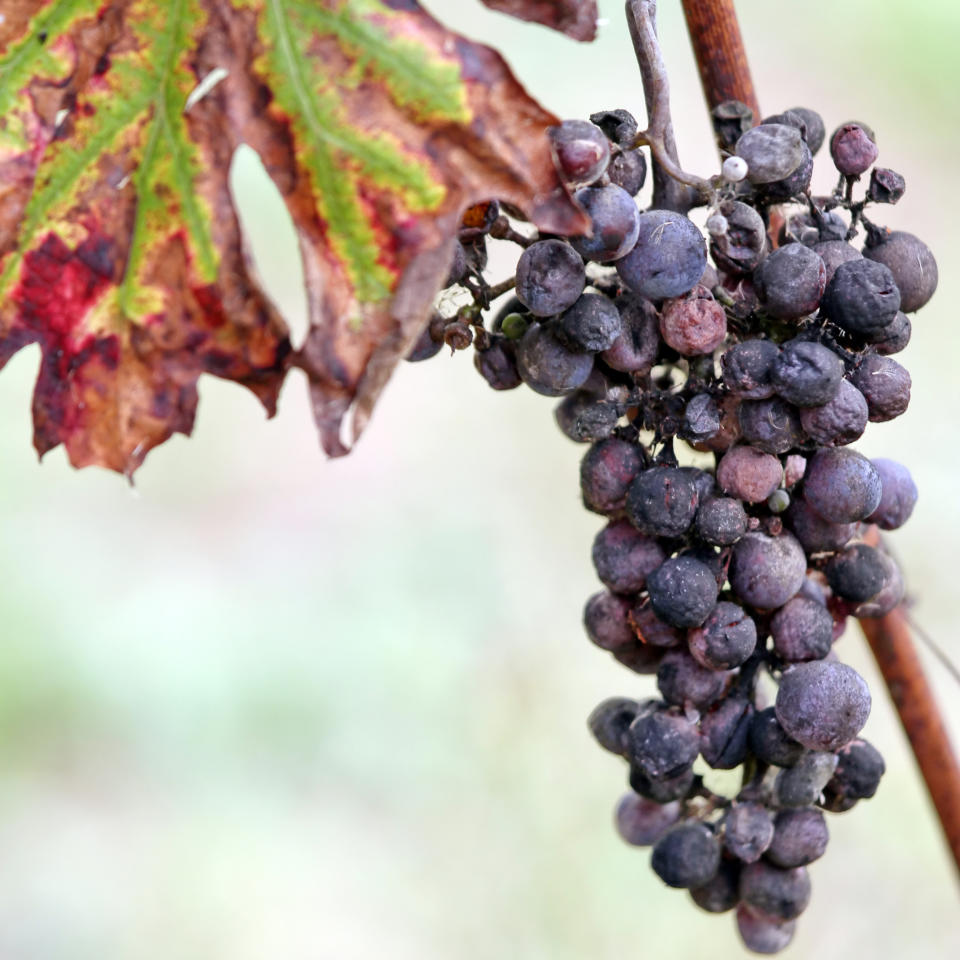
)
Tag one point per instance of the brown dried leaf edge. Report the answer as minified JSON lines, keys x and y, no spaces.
{"x":120,"y":250}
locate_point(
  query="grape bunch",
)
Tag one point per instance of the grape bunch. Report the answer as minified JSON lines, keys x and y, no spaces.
{"x":719,"y":401}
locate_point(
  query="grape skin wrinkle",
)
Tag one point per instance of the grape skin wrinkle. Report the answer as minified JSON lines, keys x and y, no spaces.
{"x":668,"y":259}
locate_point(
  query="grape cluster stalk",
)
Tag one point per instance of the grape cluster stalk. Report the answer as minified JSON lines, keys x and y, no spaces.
{"x":717,"y":383}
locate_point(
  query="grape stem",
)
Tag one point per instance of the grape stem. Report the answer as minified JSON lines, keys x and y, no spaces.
{"x":673,"y":187}
{"x":715,"y":33}
{"x":502,"y":230}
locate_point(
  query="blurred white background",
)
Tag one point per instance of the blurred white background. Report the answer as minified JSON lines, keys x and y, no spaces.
{"x":269,"y":705}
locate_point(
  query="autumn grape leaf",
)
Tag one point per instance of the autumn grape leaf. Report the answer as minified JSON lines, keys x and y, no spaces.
{"x":575,"y":18}
{"x":120,"y":248}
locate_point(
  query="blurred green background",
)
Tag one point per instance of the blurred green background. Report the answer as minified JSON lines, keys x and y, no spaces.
{"x":267,"y":705}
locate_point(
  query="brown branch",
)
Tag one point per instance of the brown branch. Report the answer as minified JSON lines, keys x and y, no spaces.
{"x":718,"y":48}
{"x":673,"y":187}
{"x":896,"y":655}
{"x":720,"y":54}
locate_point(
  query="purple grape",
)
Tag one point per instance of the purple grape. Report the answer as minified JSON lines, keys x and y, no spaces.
{"x":709,"y":278}
{"x":497,"y":364}
{"x":722,"y":893}
{"x":635,"y":349}
{"x":606,"y":473}
{"x":839,"y":421}
{"x":748,"y":369}
{"x":547,"y":366}
{"x":853,"y":149}
{"x":889,"y":595}
{"x":662,"y":744}
{"x":425,"y":346}
{"x":898,"y":495}
{"x":813,"y":590}
{"x":772,"y":425}
{"x":683,"y":591}
{"x":770,"y":742}
{"x":748,"y":474}
{"x":777,"y":893}
{"x":668,"y":259}
{"x":800,"y":837}
{"x":584,"y":417}
{"x":665,"y":789}
{"x":701,"y":418}
{"x":642,"y":822}
{"x":703,"y":482}
{"x":727,"y":638}
{"x":639,"y":657}
{"x":772,"y":151}
{"x":810,"y":230}
{"x":610,"y":720}
{"x":793,"y":185}
{"x":748,"y":831}
{"x":687,"y":856}
{"x":723,"y":733}
{"x":807,"y":374}
{"x":623,"y":557}
{"x":894,"y":337}
{"x":859,"y":769}
{"x":802,"y":784}
{"x":683,"y":682}
{"x":885,"y":385}
{"x":730,"y":120}
{"x":911,"y":263}
{"x":662,"y":502}
{"x":721,"y":521}
{"x":591,"y":325}
{"x":460,"y":266}
{"x":857,"y":573}
{"x":606,"y":620}
{"x":767,"y":571}
{"x":650,"y":629}
{"x":822,"y":704}
{"x":802,"y":629}
{"x":791,"y":281}
{"x":581,"y":150}
{"x":550,"y":277}
{"x":841,"y":485}
{"x":886,"y":186}
{"x":815,"y":132}
{"x":715,"y":560}
{"x":833,"y":253}
{"x":743,"y":243}
{"x":862,"y":296}
{"x":615,"y":223}
{"x":729,"y":432}
{"x":815,"y":534}
{"x":628,"y":170}
{"x":761,"y":934}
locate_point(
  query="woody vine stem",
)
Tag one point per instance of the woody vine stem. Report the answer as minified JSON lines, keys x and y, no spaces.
{"x":725,"y":75}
